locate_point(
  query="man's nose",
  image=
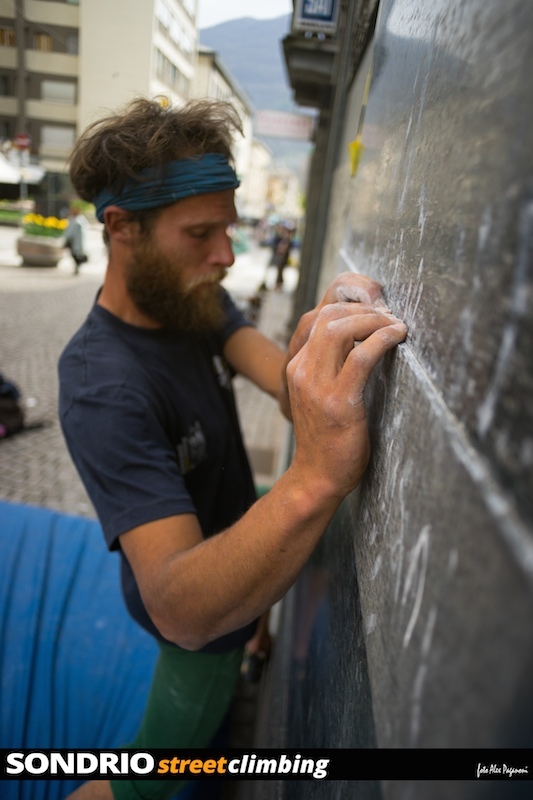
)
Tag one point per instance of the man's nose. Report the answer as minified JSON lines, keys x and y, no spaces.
{"x":223,"y":251}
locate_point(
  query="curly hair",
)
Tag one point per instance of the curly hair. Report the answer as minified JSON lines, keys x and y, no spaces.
{"x":148,"y":133}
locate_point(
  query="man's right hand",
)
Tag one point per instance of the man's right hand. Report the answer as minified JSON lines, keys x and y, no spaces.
{"x":349,"y":287}
{"x":326,"y":380}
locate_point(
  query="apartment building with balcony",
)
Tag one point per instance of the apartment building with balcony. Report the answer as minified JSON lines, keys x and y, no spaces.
{"x":213,"y":80}
{"x":64,"y":63}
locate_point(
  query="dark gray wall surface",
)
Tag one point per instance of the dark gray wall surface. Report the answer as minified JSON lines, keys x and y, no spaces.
{"x":417,"y":608}
{"x":443,"y":211}
{"x":442,"y":215}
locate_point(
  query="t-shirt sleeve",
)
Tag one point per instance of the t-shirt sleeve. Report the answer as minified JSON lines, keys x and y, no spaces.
{"x":235,"y":318}
{"x":126,"y":461}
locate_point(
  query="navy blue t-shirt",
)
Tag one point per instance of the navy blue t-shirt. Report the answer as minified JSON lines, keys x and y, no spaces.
{"x":150,"y":421}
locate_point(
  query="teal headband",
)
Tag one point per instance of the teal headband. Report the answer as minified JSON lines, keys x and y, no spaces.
{"x":162,"y":185}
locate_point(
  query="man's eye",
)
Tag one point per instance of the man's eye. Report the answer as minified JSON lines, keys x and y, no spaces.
{"x":199,"y":233}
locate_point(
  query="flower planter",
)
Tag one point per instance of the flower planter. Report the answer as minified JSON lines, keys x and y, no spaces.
{"x":40,"y":251}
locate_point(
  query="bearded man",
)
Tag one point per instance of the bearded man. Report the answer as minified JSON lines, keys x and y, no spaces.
{"x":148,"y":413}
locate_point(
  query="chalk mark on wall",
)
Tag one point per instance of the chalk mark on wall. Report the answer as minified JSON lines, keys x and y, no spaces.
{"x":421,"y":676}
{"x":516,"y":532}
{"x":416,"y":572}
{"x":518,"y":308}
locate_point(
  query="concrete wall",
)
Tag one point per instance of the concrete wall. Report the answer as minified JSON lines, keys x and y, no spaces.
{"x":411,"y":626}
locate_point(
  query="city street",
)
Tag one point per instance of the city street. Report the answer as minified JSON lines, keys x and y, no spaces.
{"x":40,"y":308}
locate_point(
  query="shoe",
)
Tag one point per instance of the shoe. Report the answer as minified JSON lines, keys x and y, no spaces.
{"x":252,"y":666}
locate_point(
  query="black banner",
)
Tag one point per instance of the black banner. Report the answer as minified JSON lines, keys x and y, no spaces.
{"x":231,"y":764}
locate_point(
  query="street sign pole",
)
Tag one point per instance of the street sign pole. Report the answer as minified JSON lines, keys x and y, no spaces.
{"x":22,"y":143}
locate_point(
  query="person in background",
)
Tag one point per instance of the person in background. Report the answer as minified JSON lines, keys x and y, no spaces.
{"x":203,"y":559}
{"x":281,"y":251}
{"x":75,"y":235}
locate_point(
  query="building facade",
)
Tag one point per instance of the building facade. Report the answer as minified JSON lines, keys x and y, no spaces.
{"x":212,"y":80}
{"x":255,"y":186}
{"x":67,"y":63}
{"x":64,"y":63}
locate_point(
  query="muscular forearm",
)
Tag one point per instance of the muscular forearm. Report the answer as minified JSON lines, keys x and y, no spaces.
{"x":230,"y":579}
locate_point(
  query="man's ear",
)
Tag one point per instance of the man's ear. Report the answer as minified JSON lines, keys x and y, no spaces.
{"x":119,"y":225}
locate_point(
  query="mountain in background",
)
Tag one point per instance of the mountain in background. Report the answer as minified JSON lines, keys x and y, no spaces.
{"x":252,"y":52}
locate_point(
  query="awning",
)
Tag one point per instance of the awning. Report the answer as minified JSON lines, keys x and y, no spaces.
{"x":29,"y":173}
{"x":8,"y":173}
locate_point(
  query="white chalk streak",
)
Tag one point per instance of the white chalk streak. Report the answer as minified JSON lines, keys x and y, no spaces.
{"x":516,"y":532}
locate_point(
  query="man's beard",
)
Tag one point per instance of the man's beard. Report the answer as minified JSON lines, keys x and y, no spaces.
{"x":155,"y":284}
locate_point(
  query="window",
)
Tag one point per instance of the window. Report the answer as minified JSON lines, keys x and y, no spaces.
{"x":58,"y":92}
{"x":163,"y":14}
{"x":42,"y":41}
{"x":57,"y":138}
{"x":190,"y":7}
{"x":170,"y":74}
{"x":7,"y":37}
{"x":5,"y":129}
{"x":159,"y":64}
{"x":169,"y":25}
{"x":181,"y":38}
{"x":5,"y":86}
{"x":72,"y":43}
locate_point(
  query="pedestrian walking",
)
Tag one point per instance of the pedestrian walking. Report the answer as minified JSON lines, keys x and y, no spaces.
{"x":281,"y":251}
{"x":75,"y":236}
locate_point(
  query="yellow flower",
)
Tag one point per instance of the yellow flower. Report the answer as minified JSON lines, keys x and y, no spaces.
{"x":38,"y":225}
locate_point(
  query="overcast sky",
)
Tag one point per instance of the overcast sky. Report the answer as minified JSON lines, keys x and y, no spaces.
{"x":212,"y":12}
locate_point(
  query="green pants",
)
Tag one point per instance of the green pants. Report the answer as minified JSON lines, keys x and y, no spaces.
{"x":188,"y":700}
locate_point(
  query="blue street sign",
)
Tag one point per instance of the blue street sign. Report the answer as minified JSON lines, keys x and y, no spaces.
{"x":318,"y":16}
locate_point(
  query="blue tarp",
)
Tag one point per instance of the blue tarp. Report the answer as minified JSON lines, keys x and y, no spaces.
{"x":75,"y":669}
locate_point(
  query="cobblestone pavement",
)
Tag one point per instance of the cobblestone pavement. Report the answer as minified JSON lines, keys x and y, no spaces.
{"x":40,"y":308}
